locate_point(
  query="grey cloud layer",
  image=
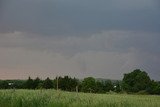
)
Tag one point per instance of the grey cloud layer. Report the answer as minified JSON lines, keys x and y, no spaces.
{"x":108,"y":54}
{"x":119,"y":41}
{"x":101,"y":38}
{"x":74,"y":17}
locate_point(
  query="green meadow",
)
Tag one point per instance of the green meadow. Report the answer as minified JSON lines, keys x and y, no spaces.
{"x":53,"y":98}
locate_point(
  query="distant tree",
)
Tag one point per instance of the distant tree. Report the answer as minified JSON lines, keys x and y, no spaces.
{"x":55,"y":82}
{"x":66,"y":83}
{"x":136,"y":81}
{"x":47,"y":84}
{"x":99,"y":87}
{"x":88,"y":84}
{"x":4,"y":84}
{"x":18,"y":84}
{"x":73,"y":84}
{"x":108,"y":86}
{"x":154,"y":88}
{"x":29,"y":83}
{"x":117,"y":87}
{"x":36,"y":83}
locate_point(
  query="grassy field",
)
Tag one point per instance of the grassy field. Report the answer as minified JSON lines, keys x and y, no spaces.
{"x":52,"y":98}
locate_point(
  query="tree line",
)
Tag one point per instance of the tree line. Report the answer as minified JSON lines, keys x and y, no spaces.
{"x":136,"y":81}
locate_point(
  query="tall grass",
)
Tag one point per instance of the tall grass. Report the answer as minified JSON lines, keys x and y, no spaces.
{"x":52,"y":98}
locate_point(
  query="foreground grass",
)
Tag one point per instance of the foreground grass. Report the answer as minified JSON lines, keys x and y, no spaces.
{"x":52,"y":98}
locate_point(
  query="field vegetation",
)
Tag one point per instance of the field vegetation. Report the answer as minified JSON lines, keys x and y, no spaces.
{"x":89,"y":92}
{"x":53,"y":98}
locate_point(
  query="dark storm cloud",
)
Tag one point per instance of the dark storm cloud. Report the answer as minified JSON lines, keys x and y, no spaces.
{"x":74,"y":17}
{"x":108,"y":54}
{"x":100,"y":38}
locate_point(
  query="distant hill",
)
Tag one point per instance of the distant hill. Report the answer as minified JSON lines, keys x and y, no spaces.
{"x":103,"y":79}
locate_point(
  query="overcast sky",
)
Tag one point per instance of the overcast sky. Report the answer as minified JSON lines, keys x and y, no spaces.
{"x":79,"y":38}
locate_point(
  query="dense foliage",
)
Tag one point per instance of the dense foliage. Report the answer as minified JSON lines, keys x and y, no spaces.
{"x":139,"y":81}
{"x":135,"y":82}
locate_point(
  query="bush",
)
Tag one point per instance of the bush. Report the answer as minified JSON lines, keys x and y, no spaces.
{"x":143,"y":92}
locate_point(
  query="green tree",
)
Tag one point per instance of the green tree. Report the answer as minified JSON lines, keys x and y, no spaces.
{"x":36,"y":83}
{"x":88,"y":84}
{"x":74,"y":83}
{"x":29,"y":83}
{"x":4,"y":84}
{"x":47,"y":84}
{"x":66,"y":83}
{"x":154,"y":88}
{"x":136,"y":81}
{"x":117,"y":87}
{"x":99,"y":87}
{"x":108,"y":86}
